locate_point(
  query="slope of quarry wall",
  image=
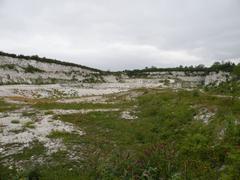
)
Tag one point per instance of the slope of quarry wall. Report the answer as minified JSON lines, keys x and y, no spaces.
{"x":191,"y":79}
{"x":174,"y":79}
{"x":23,"y":71}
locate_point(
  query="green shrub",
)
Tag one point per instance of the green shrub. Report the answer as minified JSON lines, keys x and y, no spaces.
{"x":32,"y":69}
{"x":15,"y":121}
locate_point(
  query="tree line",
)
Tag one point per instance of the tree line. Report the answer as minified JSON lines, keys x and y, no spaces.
{"x":215,"y":67}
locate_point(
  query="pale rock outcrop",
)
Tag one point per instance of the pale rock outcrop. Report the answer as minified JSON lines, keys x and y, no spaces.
{"x":16,"y":71}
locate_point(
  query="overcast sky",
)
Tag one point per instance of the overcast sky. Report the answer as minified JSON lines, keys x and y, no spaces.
{"x":122,"y":34}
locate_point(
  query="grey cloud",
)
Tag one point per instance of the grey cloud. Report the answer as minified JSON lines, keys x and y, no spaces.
{"x":112,"y":34}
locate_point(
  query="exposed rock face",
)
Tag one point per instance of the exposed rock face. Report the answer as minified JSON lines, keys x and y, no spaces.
{"x":23,"y":71}
{"x":175,"y":79}
{"x":216,"y":78}
{"x":179,"y":79}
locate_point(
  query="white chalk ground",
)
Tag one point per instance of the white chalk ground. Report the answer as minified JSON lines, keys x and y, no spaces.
{"x":14,"y":129}
{"x":204,"y":115}
{"x":13,"y":125}
{"x":19,"y":130}
{"x":128,"y":115}
{"x":82,"y":111}
{"x":69,"y":90}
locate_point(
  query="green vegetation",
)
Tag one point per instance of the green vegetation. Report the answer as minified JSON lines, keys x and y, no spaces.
{"x":32,"y":69}
{"x":31,"y":171}
{"x":29,"y":124}
{"x":236,"y":72}
{"x":4,"y":107}
{"x":231,"y":87}
{"x":61,"y":135}
{"x":77,"y":106}
{"x":15,"y":121}
{"x":28,"y":113}
{"x":9,"y":66}
{"x":216,"y":67}
{"x":223,"y":66}
{"x":164,"y":142}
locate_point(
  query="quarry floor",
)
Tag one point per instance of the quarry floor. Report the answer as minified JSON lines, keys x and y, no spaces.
{"x":63,"y":131}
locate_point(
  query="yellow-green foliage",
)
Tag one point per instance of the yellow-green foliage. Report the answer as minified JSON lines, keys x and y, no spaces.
{"x":6,"y":106}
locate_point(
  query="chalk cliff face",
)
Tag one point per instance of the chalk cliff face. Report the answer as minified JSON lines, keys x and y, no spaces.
{"x":175,"y":79}
{"x":191,"y":79}
{"x":22,"y":71}
{"x":216,"y":78}
{"x":27,"y":71}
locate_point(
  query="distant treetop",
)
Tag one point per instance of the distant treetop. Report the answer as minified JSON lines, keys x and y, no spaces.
{"x":216,"y":67}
